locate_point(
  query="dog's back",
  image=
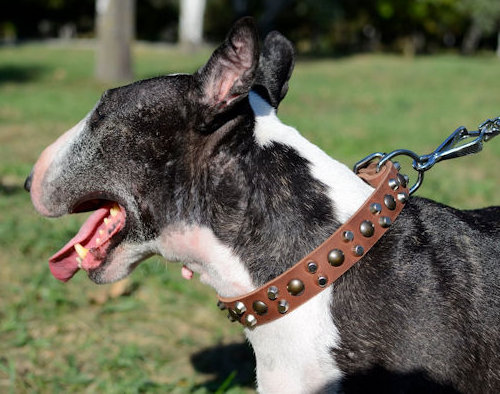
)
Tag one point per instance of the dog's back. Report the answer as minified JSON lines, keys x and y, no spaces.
{"x":421,"y":311}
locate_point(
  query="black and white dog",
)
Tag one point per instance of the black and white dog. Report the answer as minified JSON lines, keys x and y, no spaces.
{"x":199,"y":169}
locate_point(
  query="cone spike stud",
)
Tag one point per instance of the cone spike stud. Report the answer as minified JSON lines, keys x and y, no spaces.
{"x":385,"y":221}
{"x":348,"y":236}
{"x":358,"y":250}
{"x":375,"y":208}
{"x":250,"y":321}
{"x":283,"y":306}
{"x":240,"y":308}
{"x":272,"y":293}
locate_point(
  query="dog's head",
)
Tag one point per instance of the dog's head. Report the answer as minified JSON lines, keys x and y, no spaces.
{"x":142,"y":157}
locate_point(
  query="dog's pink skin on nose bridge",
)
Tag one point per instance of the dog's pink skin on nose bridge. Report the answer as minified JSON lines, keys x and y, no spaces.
{"x":43,"y":163}
{"x":200,"y":250}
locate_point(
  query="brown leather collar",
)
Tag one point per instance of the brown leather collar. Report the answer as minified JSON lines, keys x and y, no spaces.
{"x":332,"y":258}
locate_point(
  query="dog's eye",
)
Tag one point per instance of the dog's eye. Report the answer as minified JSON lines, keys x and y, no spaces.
{"x":96,"y":118}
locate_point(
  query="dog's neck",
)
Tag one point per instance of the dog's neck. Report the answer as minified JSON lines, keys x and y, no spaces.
{"x":270,"y":232}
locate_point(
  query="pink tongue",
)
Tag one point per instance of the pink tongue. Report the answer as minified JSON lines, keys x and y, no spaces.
{"x":64,"y":265}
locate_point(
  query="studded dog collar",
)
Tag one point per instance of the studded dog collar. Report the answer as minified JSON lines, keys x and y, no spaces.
{"x":324,"y":265}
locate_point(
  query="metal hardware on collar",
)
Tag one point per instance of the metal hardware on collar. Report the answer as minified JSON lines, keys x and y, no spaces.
{"x":455,"y":145}
{"x":329,"y":261}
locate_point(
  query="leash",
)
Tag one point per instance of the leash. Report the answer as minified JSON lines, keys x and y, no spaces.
{"x":346,"y":246}
{"x":456,"y":145}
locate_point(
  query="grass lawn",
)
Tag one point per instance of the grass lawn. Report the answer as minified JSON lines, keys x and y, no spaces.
{"x":157,"y":332}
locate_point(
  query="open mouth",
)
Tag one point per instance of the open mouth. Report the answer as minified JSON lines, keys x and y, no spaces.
{"x":88,"y":249}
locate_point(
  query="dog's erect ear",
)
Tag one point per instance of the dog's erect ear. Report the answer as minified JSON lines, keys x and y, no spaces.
{"x":275,"y":68}
{"x":230,"y":72}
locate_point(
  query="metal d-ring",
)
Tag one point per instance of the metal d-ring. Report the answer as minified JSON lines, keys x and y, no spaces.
{"x":412,"y":155}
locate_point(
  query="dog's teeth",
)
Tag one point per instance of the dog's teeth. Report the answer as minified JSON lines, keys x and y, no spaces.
{"x":101,"y":232}
{"x":98,"y":241}
{"x":114,"y":210}
{"x":106,"y":221}
{"x":82,"y":252}
{"x":79,"y":261}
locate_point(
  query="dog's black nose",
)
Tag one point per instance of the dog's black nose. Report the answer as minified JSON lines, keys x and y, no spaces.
{"x":27,"y":182}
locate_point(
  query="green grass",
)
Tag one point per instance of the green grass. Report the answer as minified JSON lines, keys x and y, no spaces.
{"x":164,"y":334}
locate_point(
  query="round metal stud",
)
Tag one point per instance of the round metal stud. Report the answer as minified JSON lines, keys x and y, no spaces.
{"x":390,"y":202}
{"x":322,"y":281}
{"x":283,"y":306}
{"x":396,"y":165}
{"x":295,"y":287}
{"x":375,"y":208}
{"x":366,"y":228}
{"x":312,"y":267}
{"x":385,"y":222}
{"x":358,"y":250}
{"x":240,"y":308}
{"x":259,"y":307}
{"x":393,"y":183}
{"x":221,"y":305}
{"x":347,"y":236}
{"x":272,"y":293}
{"x":402,"y":197}
{"x":250,"y":321}
{"x":407,"y":178}
{"x":336,"y":257}
{"x":403,"y":180}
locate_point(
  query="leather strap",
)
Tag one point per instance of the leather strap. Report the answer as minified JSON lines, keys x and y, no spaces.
{"x":320,"y":268}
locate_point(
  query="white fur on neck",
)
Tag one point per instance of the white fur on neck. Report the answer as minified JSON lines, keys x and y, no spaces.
{"x":345,"y":189}
{"x":200,"y":250}
{"x":293,"y":353}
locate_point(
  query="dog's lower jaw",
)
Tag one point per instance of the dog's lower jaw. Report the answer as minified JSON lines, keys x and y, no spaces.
{"x":293,"y":353}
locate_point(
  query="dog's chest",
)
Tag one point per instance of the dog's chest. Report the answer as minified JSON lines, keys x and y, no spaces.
{"x":294,"y":353}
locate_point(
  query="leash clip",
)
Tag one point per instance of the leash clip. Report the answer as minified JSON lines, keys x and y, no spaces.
{"x":454,"y":146}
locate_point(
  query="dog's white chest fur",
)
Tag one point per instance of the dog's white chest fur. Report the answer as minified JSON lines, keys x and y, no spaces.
{"x":294,"y":352}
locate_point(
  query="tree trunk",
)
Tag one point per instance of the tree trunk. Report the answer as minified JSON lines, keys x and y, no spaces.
{"x":471,"y":39}
{"x":191,"y":22}
{"x":498,"y":43}
{"x":115,"y":32}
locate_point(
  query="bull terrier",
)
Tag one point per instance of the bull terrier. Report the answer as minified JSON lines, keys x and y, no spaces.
{"x":198,"y":168}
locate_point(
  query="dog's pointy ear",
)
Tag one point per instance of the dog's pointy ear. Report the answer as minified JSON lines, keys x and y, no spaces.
{"x":230,"y":72}
{"x":275,"y":68}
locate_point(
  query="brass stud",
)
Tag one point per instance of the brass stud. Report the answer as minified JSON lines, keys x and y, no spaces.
{"x":240,"y":308}
{"x":221,"y":305}
{"x":336,"y":257}
{"x":358,"y":250}
{"x":259,"y":307}
{"x":295,"y":287}
{"x":375,"y":208}
{"x":393,"y":183}
{"x":283,"y":306}
{"x":402,"y":197}
{"x":250,"y":321}
{"x":385,"y":221}
{"x":367,"y":228}
{"x":312,"y":267}
{"x":390,"y":202}
{"x":403,"y":180}
{"x":347,"y":236}
{"x":272,"y":293}
{"x":322,"y":281}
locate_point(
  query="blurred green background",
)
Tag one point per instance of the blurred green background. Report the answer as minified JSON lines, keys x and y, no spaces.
{"x":157,"y":332}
